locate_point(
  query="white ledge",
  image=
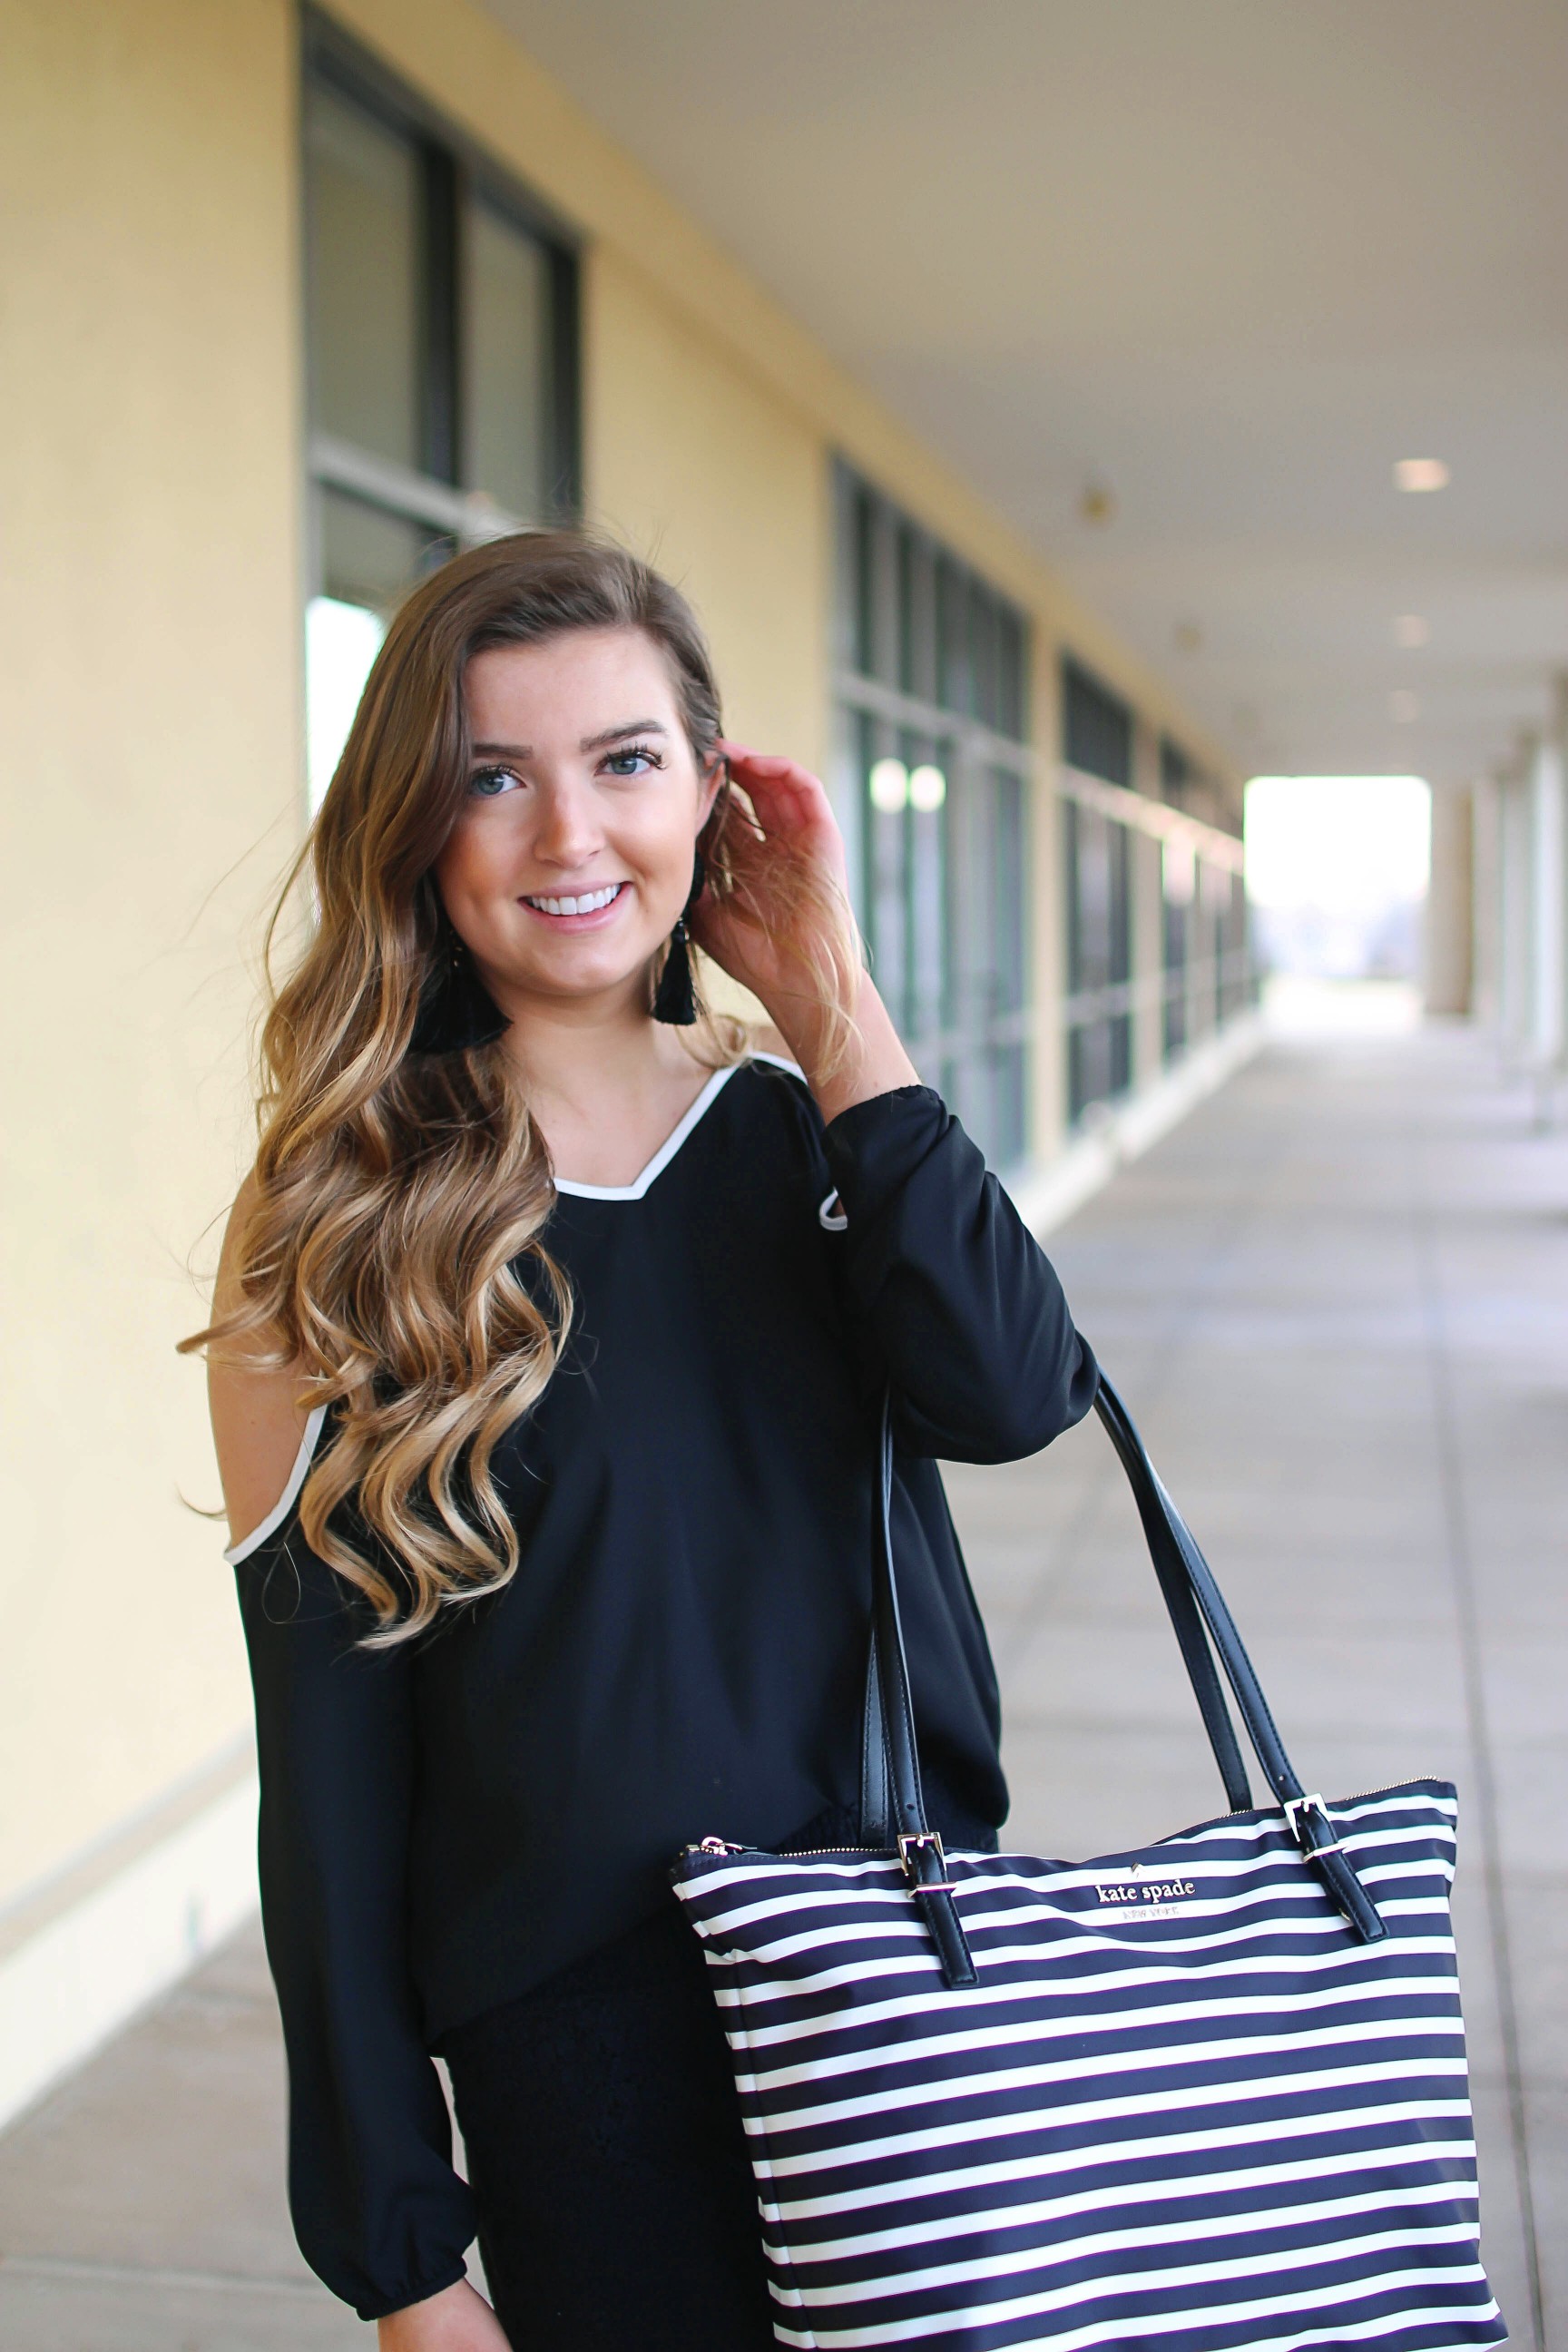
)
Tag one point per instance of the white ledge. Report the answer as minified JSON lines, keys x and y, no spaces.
{"x":1118,"y":1132}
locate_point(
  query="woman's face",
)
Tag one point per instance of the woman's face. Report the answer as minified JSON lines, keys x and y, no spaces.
{"x":572,"y":858}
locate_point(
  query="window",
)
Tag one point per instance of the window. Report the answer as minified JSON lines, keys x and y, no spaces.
{"x":1179,"y":882}
{"x":440,"y":315}
{"x":1097,"y":726}
{"x":932,"y":778}
{"x":1176,"y":774}
{"x":1229,"y":973}
{"x":1219,"y":980}
{"x":1097,"y":862}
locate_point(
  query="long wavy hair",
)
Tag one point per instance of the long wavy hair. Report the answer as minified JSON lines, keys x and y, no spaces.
{"x":390,"y":1247}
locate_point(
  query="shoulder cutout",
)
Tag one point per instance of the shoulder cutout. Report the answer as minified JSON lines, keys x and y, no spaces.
{"x":289,"y":1498}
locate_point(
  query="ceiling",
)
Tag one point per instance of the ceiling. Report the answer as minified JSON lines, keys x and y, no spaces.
{"x":1223,"y":260}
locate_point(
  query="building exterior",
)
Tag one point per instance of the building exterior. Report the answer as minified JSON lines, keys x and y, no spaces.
{"x":294,"y":304}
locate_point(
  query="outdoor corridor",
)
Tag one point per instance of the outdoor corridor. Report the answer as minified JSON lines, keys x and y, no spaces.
{"x":1335,"y":1300}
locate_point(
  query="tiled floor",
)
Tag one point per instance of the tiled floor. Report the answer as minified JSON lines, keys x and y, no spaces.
{"x":1337,"y":1301}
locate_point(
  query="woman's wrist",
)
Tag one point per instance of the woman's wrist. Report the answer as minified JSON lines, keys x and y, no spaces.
{"x":456,"y":2319}
{"x":873,"y":1063}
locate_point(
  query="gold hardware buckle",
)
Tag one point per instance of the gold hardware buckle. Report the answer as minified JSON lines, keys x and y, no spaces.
{"x":910,"y":1841}
{"x":1295,"y":1805}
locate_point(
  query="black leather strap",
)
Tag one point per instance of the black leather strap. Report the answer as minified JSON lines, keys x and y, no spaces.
{"x":891,"y":1800}
{"x":1175,"y":1587}
{"x":891,"y":1804}
{"x":1309,"y":1823}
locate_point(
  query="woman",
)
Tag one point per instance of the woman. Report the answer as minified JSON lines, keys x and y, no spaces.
{"x":552,"y":1331}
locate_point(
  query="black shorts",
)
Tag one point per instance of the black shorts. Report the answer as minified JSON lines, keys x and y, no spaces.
{"x":616,"y":2207}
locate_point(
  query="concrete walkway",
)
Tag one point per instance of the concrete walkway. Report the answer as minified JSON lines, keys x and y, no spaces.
{"x":1336,"y":1301}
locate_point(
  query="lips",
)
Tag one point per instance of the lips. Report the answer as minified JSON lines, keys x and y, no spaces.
{"x":584,"y":902}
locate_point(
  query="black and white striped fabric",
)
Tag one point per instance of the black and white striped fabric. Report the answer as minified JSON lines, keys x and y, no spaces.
{"x":1206,"y":2098}
{"x":1181,"y":2105}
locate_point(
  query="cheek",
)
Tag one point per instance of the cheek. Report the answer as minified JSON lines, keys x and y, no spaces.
{"x":476,"y":861}
{"x":660,"y":834}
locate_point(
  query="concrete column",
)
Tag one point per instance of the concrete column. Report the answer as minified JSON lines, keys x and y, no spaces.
{"x":1448,"y":940}
{"x":1485,"y":902}
{"x":1516,"y":912}
{"x":1548,"y":882}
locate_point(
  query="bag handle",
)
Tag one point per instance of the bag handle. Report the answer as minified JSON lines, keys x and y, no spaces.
{"x":892,"y":1806}
{"x":892,"y":1803}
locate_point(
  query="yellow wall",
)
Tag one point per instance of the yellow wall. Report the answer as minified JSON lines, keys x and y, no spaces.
{"x":693,"y":463}
{"x":150,"y":479}
{"x":148,"y":734}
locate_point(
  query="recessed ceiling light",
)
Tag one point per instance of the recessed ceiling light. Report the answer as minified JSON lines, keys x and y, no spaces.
{"x":1420,"y":474}
{"x":1404,"y":706}
{"x":1411,"y":629}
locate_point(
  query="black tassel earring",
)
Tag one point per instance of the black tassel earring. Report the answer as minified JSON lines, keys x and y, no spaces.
{"x":456,"y":1009}
{"x":675,"y":999}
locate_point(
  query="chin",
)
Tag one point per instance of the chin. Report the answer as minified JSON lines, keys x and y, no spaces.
{"x":578,"y":980}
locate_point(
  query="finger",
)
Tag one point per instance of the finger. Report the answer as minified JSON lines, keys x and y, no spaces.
{"x":767,"y":763}
{"x":767,"y":780}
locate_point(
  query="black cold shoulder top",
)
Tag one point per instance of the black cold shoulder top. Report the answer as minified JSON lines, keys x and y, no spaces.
{"x":681,"y":1652}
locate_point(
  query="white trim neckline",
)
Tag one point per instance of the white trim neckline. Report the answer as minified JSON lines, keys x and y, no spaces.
{"x":672,"y":1143}
{"x":661,"y":1158}
{"x":633,"y":1191}
{"x":286,"y":1500}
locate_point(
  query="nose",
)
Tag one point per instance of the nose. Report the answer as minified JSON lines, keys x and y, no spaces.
{"x":567,"y":833}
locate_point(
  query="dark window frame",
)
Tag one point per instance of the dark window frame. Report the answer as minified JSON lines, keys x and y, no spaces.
{"x":454,"y":171}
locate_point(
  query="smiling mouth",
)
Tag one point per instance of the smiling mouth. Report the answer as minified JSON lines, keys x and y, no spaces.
{"x":587,"y":902}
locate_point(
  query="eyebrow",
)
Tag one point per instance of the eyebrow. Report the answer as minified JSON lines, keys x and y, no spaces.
{"x":588,"y":744}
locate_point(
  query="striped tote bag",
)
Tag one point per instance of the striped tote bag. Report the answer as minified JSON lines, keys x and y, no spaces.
{"x":1203,"y":2097}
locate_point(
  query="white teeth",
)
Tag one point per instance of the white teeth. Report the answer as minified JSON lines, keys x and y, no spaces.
{"x":588,"y":903}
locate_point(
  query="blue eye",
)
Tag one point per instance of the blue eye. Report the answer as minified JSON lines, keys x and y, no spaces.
{"x":620,"y":764}
{"x":490,"y":783}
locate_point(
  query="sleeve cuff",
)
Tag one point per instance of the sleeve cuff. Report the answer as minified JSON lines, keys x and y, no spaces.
{"x":383,"y":2306}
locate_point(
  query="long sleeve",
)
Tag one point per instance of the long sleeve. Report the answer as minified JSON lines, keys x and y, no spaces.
{"x":379,"y":2211}
{"x":950,"y":1289}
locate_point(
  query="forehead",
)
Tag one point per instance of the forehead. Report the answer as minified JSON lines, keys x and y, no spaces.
{"x":575,"y":685}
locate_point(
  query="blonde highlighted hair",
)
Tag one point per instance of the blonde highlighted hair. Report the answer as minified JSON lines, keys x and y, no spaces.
{"x":392,"y":1245}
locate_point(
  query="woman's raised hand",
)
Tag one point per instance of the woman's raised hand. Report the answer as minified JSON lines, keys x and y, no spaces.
{"x":776,"y":927}
{"x":786,"y":931}
{"x":458,"y":2319}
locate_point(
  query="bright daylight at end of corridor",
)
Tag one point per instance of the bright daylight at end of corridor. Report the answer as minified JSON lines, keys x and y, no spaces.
{"x":1337,"y":870}
{"x":787,"y":1201}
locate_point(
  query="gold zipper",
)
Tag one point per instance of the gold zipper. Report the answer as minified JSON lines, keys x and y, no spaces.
{"x":718,"y":1845}
{"x":1393,"y":1789}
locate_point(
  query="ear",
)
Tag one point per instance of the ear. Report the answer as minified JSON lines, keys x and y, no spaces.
{"x":715,"y":776}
